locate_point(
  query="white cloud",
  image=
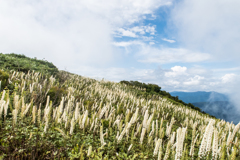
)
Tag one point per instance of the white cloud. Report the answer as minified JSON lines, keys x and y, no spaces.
{"x":228,"y":78}
{"x":148,"y":38}
{"x":69,"y":33}
{"x":137,"y":31}
{"x":149,"y":54}
{"x":212,"y":26}
{"x":127,"y":33}
{"x":150,"y":29}
{"x":176,"y":71}
{"x":115,"y":74}
{"x":174,"y":83}
{"x":168,"y":40}
{"x":194,"y":80}
{"x":127,"y":43}
{"x":227,"y":69}
{"x":66,"y":35}
{"x":179,"y":69}
{"x":199,"y":70}
{"x":151,"y":43}
{"x":122,"y":12}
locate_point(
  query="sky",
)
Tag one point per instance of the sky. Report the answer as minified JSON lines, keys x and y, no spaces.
{"x":181,"y":45}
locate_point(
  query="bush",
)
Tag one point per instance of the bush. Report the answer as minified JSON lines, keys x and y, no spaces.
{"x":4,"y":79}
{"x":56,"y":94}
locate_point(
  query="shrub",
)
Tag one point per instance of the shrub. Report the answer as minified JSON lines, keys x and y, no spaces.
{"x":56,"y":94}
{"x":4,"y":79}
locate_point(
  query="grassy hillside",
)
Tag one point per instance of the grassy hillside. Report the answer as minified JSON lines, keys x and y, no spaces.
{"x":75,"y":117}
{"x":22,"y":63}
{"x":152,"y":90}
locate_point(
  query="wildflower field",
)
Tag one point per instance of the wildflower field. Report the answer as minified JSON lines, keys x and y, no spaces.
{"x":74,"y":117}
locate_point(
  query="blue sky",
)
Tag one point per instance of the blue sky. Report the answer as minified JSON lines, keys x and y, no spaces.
{"x":186,"y":45}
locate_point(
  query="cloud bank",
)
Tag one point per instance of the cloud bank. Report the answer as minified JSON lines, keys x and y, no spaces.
{"x":210,"y":26}
{"x":71,"y":33}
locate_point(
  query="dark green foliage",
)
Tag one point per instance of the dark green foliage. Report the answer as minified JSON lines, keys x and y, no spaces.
{"x":5,"y":83}
{"x":22,"y":63}
{"x":153,"y":90}
{"x":62,"y":76}
{"x":26,"y":142}
{"x":149,"y":87}
{"x":4,"y":79}
{"x":56,"y":93}
{"x":105,"y":123}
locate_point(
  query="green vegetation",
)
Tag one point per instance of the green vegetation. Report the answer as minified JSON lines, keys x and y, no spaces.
{"x":67,"y":116}
{"x":56,"y":93}
{"x":150,"y":90}
{"x":4,"y":79}
{"x":22,"y":63}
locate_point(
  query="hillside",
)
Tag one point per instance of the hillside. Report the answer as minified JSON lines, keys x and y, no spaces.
{"x":68,"y":116}
{"x":22,"y":63}
{"x":151,"y":90}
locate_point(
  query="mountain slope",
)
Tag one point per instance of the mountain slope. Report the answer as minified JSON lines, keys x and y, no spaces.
{"x":22,"y":63}
{"x":82,"y":118}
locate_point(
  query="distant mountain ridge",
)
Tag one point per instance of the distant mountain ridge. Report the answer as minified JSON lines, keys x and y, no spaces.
{"x":220,"y":109}
{"x":199,"y":96}
{"x":213,"y":103}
